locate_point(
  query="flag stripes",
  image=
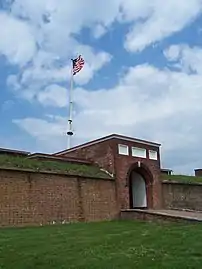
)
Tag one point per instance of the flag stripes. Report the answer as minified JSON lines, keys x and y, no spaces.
{"x":78,"y":64}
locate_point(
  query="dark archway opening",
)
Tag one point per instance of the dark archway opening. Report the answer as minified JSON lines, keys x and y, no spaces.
{"x":140,"y":188}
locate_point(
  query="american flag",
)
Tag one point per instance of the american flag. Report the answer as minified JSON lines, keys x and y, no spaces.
{"x":78,"y":64}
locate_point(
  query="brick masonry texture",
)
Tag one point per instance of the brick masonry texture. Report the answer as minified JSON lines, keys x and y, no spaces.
{"x":29,"y":199}
{"x":101,"y":153}
{"x":105,"y":154}
{"x":182,"y":196}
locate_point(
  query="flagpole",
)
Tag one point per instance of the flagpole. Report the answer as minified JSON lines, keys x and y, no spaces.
{"x":70,"y":131}
{"x":77,"y":65}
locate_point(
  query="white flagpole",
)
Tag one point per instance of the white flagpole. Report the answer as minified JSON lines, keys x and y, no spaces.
{"x":70,"y":131}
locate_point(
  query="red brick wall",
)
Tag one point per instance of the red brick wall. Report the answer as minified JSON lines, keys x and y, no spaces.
{"x":99,"y":201}
{"x":28,"y":198}
{"x":182,"y":196}
{"x":105,"y":154}
{"x":101,"y":153}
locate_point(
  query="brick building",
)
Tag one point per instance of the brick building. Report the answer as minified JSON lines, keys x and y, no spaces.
{"x":134,"y":163}
{"x":41,"y":194}
{"x":198,"y":172}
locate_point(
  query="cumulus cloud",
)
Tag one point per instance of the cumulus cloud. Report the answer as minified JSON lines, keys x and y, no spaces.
{"x":185,"y":58}
{"x":158,"y":20}
{"x":46,"y":42}
{"x":47,"y":70}
{"x":53,"y":24}
{"x":52,"y":27}
{"x":173,"y":53}
{"x":53,"y":95}
{"x":47,"y":67}
{"x":18,"y":50}
{"x":99,"y":31}
{"x":44,"y":128}
{"x":51,"y":129}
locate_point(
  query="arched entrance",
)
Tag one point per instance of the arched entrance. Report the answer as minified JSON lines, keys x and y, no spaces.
{"x":140,"y":187}
{"x":139,"y":193}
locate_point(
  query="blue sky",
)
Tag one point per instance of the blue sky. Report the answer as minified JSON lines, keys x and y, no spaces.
{"x":142,"y":74}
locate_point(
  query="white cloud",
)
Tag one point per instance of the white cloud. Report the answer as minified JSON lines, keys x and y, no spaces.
{"x":172,"y":53}
{"x":144,"y":91}
{"x":47,"y":67}
{"x":53,"y":95}
{"x":17,"y":41}
{"x":55,"y":23}
{"x":160,"y":19}
{"x":189,"y":59}
{"x":44,"y":128}
{"x":52,"y":127}
{"x":12,"y":81}
{"x":50,"y":25}
{"x":53,"y":26}
{"x":44,"y":72}
{"x":99,"y":31}
{"x":66,"y":13}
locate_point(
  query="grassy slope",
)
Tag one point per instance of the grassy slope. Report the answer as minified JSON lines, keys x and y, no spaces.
{"x":70,"y":168}
{"x":182,"y":178}
{"x":118,"y":245}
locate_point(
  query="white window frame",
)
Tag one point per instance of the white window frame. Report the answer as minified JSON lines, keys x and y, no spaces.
{"x":151,"y":152}
{"x":144,"y":156}
{"x":123,"y":146}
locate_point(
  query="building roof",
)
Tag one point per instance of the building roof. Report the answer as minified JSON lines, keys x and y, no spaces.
{"x":166,"y":170}
{"x":13,"y":151}
{"x":109,"y":137}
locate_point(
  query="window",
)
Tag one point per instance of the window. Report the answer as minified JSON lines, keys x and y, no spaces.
{"x":153,"y":155}
{"x":123,"y":149}
{"x":138,"y":152}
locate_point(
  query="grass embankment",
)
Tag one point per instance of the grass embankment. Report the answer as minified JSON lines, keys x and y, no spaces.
{"x":118,"y":245}
{"x":54,"y":166}
{"x":182,"y":178}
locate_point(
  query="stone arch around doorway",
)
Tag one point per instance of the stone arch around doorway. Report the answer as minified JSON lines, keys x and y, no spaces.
{"x":140,"y":183}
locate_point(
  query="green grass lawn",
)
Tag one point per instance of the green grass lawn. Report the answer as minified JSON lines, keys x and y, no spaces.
{"x":54,"y":166}
{"x":182,"y":178}
{"x":104,"y":245}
